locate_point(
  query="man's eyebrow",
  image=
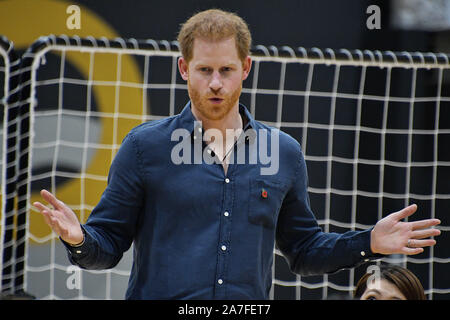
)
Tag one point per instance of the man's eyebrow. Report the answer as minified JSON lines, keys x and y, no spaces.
{"x":205,"y":64}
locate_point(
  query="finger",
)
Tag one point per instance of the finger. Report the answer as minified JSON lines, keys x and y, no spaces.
{"x":49,"y":215}
{"x":44,"y":210}
{"x":422,"y":224}
{"x":55,"y":221}
{"x":40,"y":206}
{"x":49,"y":220}
{"x":406,"y":212}
{"x":50,"y":198}
{"x":414,"y":243}
{"x":412,"y":251}
{"x":420,"y":234}
{"x":55,"y":225}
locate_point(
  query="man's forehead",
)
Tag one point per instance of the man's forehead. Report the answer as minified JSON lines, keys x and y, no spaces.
{"x":214,"y":41}
{"x":214,"y":61}
{"x":206,"y":49}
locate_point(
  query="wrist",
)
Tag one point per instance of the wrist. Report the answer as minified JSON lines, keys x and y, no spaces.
{"x":79,"y":244}
{"x":372,"y":242}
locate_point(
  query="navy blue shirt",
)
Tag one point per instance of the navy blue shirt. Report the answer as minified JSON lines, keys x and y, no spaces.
{"x":199,"y":233}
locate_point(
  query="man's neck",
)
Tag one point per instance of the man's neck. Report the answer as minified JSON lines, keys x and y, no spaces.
{"x":232,"y":121}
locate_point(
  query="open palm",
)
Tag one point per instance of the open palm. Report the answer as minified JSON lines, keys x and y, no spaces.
{"x":391,"y":235}
{"x":60,"y":218}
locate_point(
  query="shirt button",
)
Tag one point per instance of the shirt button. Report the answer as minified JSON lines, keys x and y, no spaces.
{"x":224,"y":248}
{"x":226,"y":214}
{"x":227,"y":180}
{"x":363,"y":253}
{"x":78,"y":251}
{"x":220,"y":281}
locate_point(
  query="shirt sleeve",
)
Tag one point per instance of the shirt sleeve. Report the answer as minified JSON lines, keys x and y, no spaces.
{"x":309,"y":250}
{"x":111,"y":226}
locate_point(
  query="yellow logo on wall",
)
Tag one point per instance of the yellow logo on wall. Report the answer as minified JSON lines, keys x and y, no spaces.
{"x":23,"y":22}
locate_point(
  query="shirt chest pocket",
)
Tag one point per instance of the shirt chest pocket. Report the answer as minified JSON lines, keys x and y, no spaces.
{"x":266,"y":197}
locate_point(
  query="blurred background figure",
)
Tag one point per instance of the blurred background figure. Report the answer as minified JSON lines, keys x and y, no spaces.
{"x":389,"y":282}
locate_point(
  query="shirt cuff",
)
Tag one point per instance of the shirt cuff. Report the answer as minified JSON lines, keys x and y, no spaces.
{"x":78,"y":250}
{"x":362,"y":247}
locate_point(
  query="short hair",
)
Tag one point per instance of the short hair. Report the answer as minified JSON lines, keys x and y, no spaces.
{"x":215,"y":24}
{"x":408,"y":284}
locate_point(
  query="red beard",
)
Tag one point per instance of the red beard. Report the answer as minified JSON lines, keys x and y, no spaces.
{"x":210,"y":110}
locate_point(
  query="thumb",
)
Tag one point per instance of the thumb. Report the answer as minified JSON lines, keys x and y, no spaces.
{"x":406,"y":212}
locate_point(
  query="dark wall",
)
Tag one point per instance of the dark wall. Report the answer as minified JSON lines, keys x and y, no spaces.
{"x":320,"y":23}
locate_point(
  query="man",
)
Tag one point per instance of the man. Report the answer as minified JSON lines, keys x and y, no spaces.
{"x":207,"y":231}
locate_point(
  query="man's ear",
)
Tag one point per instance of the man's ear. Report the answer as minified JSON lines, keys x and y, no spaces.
{"x":247,"y":66}
{"x":183,"y":68}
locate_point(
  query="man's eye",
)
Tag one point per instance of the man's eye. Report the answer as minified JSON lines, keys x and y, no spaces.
{"x":371,"y":298}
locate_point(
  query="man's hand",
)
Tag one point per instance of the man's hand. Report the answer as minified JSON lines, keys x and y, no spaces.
{"x":61,"y":219}
{"x":391,"y":236}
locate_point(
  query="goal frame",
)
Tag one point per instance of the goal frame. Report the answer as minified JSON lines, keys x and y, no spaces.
{"x":32,"y":57}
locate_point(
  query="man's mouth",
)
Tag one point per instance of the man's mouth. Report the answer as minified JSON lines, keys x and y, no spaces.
{"x":215,"y":100}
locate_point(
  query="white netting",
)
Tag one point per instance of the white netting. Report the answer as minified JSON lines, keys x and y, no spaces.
{"x":4,"y":75}
{"x":374,"y":134}
{"x":8,"y":95}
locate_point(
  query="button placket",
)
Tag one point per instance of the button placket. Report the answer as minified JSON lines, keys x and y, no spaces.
{"x":223,"y":248}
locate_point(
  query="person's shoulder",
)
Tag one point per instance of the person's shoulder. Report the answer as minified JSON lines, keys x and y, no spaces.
{"x":153,"y":127}
{"x":151,"y":134}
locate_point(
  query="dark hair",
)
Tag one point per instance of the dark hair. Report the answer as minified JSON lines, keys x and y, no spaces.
{"x":408,"y":284}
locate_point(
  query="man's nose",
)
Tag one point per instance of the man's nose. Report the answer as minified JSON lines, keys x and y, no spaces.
{"x":216,"y":82}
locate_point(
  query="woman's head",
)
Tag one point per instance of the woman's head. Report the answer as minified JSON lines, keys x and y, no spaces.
{"x":389,"y":282}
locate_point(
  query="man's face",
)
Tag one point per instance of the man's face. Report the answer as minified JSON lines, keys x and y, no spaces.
{"x":214,"y":75}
